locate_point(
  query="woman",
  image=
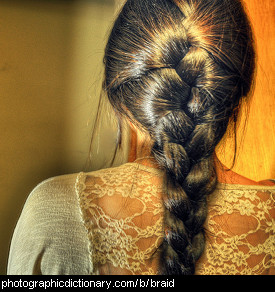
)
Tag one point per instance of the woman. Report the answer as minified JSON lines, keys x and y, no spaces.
{"x":177,"y":72}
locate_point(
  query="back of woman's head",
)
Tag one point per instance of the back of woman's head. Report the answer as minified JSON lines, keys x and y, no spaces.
{"x":178,"y":69}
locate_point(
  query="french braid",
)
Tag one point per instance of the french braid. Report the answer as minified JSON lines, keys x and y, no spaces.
{"x":178,"y":69}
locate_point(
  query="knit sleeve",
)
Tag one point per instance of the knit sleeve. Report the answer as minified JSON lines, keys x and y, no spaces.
{"x":49,"y":237}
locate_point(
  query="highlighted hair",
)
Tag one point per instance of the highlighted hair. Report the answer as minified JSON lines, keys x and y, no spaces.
{"x":179,"y":69}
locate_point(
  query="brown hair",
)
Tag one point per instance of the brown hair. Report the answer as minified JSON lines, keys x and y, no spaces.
{"x":179,"y":69}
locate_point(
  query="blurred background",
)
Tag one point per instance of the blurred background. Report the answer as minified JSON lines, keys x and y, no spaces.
{"x":50,"y":83}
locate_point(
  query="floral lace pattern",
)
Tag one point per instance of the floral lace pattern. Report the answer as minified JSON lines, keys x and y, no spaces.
{"x":240,"y":230}
{"x":122,"y":213}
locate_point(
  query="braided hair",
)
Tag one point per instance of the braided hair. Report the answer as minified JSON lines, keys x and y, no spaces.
{"x":178,"y":69}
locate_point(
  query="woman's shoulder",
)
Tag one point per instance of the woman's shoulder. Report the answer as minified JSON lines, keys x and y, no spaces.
{"x":49,"y":186}
{"x":127,"y":173}
{"x":57,"y":187}
{"x":127,"y":168}
{"x":48,"y":226}
{"x":254,"y":193}
{"x":49,"y":196}
{"x":51,"y":203}
{"x":239,"y":229}
{"x":252,"y":203}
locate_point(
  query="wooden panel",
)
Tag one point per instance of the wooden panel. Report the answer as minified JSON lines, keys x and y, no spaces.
{"x":256,"y":150}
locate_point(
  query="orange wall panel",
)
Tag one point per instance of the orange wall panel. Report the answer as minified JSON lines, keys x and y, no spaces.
{"x":256,"y":143}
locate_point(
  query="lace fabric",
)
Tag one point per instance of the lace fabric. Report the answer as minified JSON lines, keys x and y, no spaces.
{"x":122,"y":212}
{"x":240,"y":232}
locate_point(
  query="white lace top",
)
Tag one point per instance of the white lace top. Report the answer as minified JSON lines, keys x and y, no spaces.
{"x":110,"y":222}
